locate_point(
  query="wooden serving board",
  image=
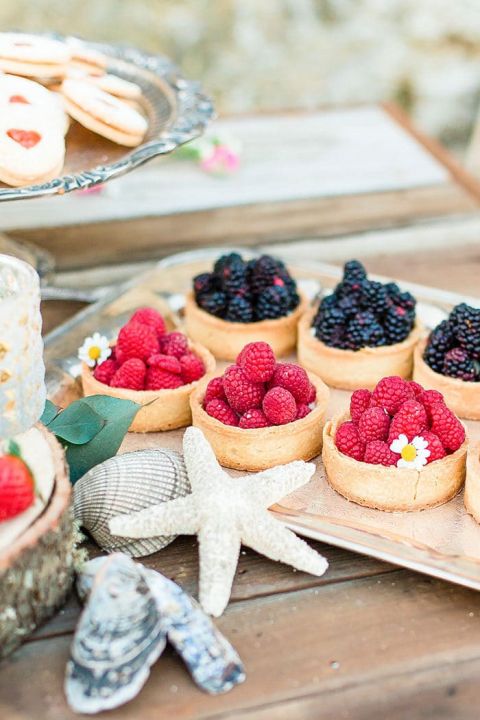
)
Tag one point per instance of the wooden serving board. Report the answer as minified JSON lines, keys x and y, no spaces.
{"x":443,"y":542}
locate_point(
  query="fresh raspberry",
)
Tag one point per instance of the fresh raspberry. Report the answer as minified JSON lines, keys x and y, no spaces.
{"x":429,"y":398}
{"x":348,"y":441}
{"x":373,"y":425}
{"x":437,"y":451}
{"x":258,"y":361}
{"x":136,"y":341}
{"x":359,"y":402}
{"x":17,"y":489}
{"x":312,"y":394}
{"x":192,"y":368}
{"x":410,"y":420}
{"x":416,"y":387}
{"x":221,"y":411}
{"x":279,"y":406}
{"x":159,"y":379}
{"x":293,"y":378}
{"x":165,"y":362}
{"x":130,"y":375}
{"x":174,"y":343}
{"x":105,"y":371}
{"x":378,"y":452}
{"x":242,"y":393}
{"x":150,"y":316}
{"x":215,"y":390}
{"x":254,"y":418}
{"x":303,"y":410}
{"x":447,"y":426}
{"x":391,"y":392}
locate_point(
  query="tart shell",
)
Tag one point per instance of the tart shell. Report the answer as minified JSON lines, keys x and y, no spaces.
{"x":461,"y":396}
{"x":348,"y":369}
{"x":226,"y":339}
{"x":262,"y":448}
{"x":172,"y":409}
{"x":390,"y":488}
{"x":472,"y":483}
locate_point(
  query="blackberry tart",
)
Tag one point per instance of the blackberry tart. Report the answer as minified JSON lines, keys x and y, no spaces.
{"x":449,"y":361}
{"x":243,"y":301}
{"x":363,"y":331}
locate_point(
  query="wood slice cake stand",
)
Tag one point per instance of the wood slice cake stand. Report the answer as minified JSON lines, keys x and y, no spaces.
{"x":36,"y":570}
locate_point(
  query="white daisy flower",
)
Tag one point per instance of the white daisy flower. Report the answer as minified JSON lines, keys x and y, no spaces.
{"x":94,"y":350}
{"x":413,"y":455}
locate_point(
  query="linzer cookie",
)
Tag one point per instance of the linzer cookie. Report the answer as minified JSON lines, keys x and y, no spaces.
{"x":33,"y":56}
{"x":32,"y":149}
{"x":103,"y":114}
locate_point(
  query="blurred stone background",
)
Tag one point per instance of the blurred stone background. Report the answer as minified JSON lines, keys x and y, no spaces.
{"x":264,"y":54}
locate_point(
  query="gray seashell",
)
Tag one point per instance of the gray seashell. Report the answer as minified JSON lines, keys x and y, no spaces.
{"x":125,"y":484}
{"x":118,"y":638}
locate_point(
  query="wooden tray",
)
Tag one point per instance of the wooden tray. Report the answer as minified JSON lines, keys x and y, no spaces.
{"x":443,"y":542}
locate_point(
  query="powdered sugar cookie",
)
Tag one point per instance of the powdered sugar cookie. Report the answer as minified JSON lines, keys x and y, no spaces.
{"x":117,"y":86}
{"x":32,"y":149}
{"x":103,"y":114}
{"x":17,"y":90}
{"x":33,"y":56}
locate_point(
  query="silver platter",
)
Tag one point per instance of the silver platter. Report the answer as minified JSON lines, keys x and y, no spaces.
{"x":176,"y":108}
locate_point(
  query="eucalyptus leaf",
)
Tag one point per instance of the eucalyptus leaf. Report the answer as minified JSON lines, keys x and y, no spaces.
{"x":77,"y":424}
{"x":117,"y":415}
{"x":49,"y":413}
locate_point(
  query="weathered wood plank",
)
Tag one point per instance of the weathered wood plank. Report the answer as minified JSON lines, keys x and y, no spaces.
{"x":318,"y":642}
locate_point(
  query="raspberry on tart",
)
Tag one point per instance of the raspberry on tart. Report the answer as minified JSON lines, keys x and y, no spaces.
{"x":253,"y":424}
{"x":393,"y":453}
{"x":364,"y":330}
{"x":240,"y":302}
{"x":147,"y":364}
{"x":449,"y":361}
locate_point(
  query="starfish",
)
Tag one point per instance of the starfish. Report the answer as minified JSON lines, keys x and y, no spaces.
{"x":225,"y":512}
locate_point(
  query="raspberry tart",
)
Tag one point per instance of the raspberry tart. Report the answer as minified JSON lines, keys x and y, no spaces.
{"x":400,"y":448}
{"x":37,"y":536}
{"x":363,"y":331}
{"x":241,"y":302}
{"x":148,"y":365}
{"x":261,"y":413}
{"x":449,"y":361}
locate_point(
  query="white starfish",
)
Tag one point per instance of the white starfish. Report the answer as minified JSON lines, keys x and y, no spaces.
{"x":225,"y":512}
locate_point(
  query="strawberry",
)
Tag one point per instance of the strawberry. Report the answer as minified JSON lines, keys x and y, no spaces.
{"x":17,"y":488}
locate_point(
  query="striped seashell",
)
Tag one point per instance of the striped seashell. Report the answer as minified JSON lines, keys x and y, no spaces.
{"x":125,"y":484}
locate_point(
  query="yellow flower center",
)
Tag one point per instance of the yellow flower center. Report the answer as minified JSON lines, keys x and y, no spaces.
{"x":94,"y":352}
{"x":409,"y":453}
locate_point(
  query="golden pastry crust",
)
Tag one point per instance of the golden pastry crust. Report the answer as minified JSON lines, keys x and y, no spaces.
{"x":472,"y":483}
{"x":172,"y":409}
{"x":390,"y":488}
{"x":262,"y":448}
{"x":350,"y":370}
{"x":227,"y":339}
{"x":462,"y":397}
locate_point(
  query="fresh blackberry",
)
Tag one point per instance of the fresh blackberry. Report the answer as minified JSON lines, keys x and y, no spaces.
{"x":239,"y":310}
{"x":468,"y":329}
{"x":434,"y":358}
{"x":354,"y":270}
{"x":350,"y":288}
{"x":349,"y":305}
{"x":441,"y":340}
{"x":326,"y":323}
{"x":272,"y":303}
{"x":374,"y":296}
{"x":406,"y":301}
{"x":226,"y":260}
{"x":364,"y":330}
{"x":233,"y":277}
{"x":214,"y":303}
{"x":264,"y":272}
{"x":393,"y":292}
{"x":397,"y":324}
{"x":458,"y":364}
{"x":204,"y":283}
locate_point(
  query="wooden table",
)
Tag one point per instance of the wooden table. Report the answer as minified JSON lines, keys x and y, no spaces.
{"x":367,"y":640}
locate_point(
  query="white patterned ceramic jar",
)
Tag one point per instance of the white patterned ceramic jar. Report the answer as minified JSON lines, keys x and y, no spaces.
{"x":22,"y":371}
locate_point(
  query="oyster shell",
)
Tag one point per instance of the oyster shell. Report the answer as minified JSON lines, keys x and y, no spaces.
{"x":117,"y":640}
{"x":124,"y":484}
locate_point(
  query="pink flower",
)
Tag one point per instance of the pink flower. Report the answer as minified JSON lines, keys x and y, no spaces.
{"x":221,"y":160}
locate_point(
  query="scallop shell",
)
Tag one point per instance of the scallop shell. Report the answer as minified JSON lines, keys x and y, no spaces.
{"x":117,"y":640}
{"x":125,"y":484}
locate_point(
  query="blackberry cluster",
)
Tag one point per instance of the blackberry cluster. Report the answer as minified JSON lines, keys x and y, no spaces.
{"x":246,"y":291}
{"x":453,"y":347}
{"x":364,"y":313}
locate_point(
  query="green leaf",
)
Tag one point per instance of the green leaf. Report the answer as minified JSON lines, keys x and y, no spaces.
{"x":118,"y":416}
{"x":78,"y":424}
{"x":14,"y":449}
{"x":49,"y":413}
